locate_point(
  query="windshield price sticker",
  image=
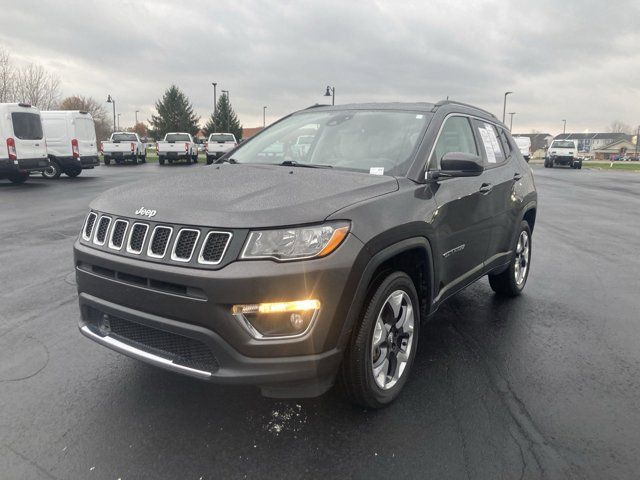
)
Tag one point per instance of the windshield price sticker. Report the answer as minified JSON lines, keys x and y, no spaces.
{"x":376,"y":171}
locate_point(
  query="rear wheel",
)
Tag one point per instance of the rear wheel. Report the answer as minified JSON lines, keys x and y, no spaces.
{"x":52,"y":171}
{"x":73,"y":172}
{"x":161,"y":160}
{"x":194,"y":158}
{"x":19,"y":177}
{"x":377,"y":363}
{"x":511,"y":282}
{"x":107,"y":160}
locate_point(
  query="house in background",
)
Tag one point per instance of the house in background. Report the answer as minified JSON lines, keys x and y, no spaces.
{"x":615,"y":150}
{"x":250,"y":132}
{"x":539,"y":141}
{"x":589,"y":142}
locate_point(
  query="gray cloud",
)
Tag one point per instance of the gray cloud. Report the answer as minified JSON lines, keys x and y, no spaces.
{"x":576,"y":59}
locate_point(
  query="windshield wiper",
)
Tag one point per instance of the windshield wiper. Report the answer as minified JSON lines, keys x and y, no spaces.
{"x":293,"y":163}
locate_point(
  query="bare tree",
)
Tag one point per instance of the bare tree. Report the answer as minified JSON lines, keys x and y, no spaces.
{"x":139,"y":128}
{"x":96,"y":109}
{"x":7,"y":80}
{"x":36,"y":86}
{"x":618,"y":126}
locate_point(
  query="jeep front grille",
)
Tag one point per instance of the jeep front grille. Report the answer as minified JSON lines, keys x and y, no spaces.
{"x":117,"y":234}
{"x":185,"y":243}
{"x":137,"y":237}
{"x":172,"y":244}
{"x":213,"y":247}
{"x":159,"y":241}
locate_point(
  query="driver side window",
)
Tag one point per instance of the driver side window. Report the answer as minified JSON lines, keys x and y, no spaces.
{"x":456,"y":136}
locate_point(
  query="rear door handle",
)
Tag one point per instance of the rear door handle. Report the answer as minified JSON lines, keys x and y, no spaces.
{"x":517,"y":176}
{"x":486,"y":188}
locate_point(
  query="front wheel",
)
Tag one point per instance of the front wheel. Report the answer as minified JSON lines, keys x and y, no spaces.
{"x":511,"y":282}
{"x":52,"y":171}
{"x":377,"y":363}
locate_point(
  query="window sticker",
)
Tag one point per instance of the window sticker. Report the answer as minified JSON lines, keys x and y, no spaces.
{"x":485,"y":134}
{"x":376,"y":171}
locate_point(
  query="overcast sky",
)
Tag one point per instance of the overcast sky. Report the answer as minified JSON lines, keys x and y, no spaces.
{"x":575,"y":59}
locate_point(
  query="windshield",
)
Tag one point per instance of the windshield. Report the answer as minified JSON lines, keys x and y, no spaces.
{"x":177,"y":137}
{"x":359,"y":140}
{"x":562,"y":145}
{"x":124,"y":137}
{"x":27,"y":126}
{"x":221,"y":137}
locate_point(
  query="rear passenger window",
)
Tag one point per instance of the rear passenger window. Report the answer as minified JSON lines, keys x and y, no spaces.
{"x":493,"y":149}
{"x":26,"y":126}
{"x":456,"y":136}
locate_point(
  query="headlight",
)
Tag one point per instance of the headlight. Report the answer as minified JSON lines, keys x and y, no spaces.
{"x":295,"y":243}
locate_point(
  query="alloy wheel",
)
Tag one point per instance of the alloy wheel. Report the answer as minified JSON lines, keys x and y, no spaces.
{"x":522,"y":258}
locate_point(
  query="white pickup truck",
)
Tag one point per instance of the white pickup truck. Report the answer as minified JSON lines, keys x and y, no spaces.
{"x":123,"y":146}
{"x":563,"y":152}
{"x":218,"y":144}
{"x":177,"y":146}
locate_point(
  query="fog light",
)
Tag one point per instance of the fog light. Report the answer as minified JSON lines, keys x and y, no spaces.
{"x":282,"y":319}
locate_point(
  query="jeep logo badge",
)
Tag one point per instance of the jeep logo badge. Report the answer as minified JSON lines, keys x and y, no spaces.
{"x":146,"y":212}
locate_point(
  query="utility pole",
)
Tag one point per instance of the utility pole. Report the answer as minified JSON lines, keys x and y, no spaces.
{"x":504,"y":106}
{"x":215,"y":100}
{"x":331,"y":92}
{"x":637,"y":141}
{"x":511,"y":121}
{"x":111,"y":100}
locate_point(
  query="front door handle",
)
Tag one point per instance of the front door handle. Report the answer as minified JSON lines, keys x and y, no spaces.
{"x":486,"y":188}
{"x":517,"y":176}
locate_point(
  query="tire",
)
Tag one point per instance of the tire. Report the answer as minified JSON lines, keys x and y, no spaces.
{"x":546,"y":164}
{"x":161,"y":160}
{"x":18,"y":178}
{"x":107,"y":160}
{"x":144,"y":158}
{"x":53,"y":171}
{"x":209,"y":160}
{"x":73,"y":172}
{"x":194,"y":158}
{"x":512,"y":281}
{"x":357,"y":370}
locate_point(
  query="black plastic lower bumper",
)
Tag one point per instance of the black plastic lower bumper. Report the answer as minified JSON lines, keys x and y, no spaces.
{"x":10,"y":167}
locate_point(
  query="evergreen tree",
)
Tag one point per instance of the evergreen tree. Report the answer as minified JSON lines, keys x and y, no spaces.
{"x":175,"y":114}
{"x":225,"y":119}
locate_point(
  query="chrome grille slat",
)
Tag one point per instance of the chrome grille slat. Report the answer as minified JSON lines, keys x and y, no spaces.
{"x":214,"y":247}
{"x":137,"y":236}
{"x":118,"y":233}
{"x":89,"y":223}
{"x":185,"y":244}
{"x":101,"y":232}
{"x":159,"y":242}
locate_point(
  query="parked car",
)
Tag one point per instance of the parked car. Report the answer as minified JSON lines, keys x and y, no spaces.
{"x":524,"y":145}
{"x":218,"y":144}
{"x":292,"y":274}
{"x":71,"y":142}
{"x":23,"y":148}
{"x":563,"y":152}
{"x":177,"y":146}
{"x":124,"y":147}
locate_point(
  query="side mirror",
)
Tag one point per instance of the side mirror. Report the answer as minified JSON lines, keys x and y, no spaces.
{"x":457,"y":164}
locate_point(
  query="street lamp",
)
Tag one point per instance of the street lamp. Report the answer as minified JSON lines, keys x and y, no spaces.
{"x":504,"y":106}
{"x":511,"y":120}
{"x":118,"y":121}
{"x":137,"y":116}
{"x":331,"y":92}
{"x":564,"y":126}
{"x":111,"y":100}
{"x":215,"y":100}
{"x":264,"y":122}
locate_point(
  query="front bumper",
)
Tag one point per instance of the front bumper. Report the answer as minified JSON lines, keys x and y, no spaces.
{"x":9,"y":167}
{"x":300,"y":366}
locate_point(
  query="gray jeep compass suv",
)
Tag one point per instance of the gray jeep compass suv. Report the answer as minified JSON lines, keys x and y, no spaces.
{"x":292,"y":268}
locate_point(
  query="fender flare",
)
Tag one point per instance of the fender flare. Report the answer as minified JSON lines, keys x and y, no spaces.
{"x":367,"y":276}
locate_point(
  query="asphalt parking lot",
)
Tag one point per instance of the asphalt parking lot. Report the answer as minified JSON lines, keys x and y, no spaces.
{"x":543,"y":386}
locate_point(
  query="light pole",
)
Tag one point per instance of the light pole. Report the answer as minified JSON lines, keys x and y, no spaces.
{"x":331,"y":92}
{"x":637,"y":141}
{"x":564,"y":126}
{"x":118,"y":121}
{"x":504,"y":106}
{"x":137,"y":116}
{"x":264,"y":112}
{"x":111,"y":100}
{"x":511,"y":114}
{"x":215,"y":100}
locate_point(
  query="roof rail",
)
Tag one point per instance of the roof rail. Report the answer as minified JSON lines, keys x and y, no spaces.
{"x":454,"y":102}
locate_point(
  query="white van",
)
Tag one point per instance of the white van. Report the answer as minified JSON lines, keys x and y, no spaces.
{"x":524,"y":145}
{"x":22,"y":145}
{"x":71,"y":142}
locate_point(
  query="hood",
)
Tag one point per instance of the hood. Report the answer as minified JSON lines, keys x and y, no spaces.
{"x":244,"y":196}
